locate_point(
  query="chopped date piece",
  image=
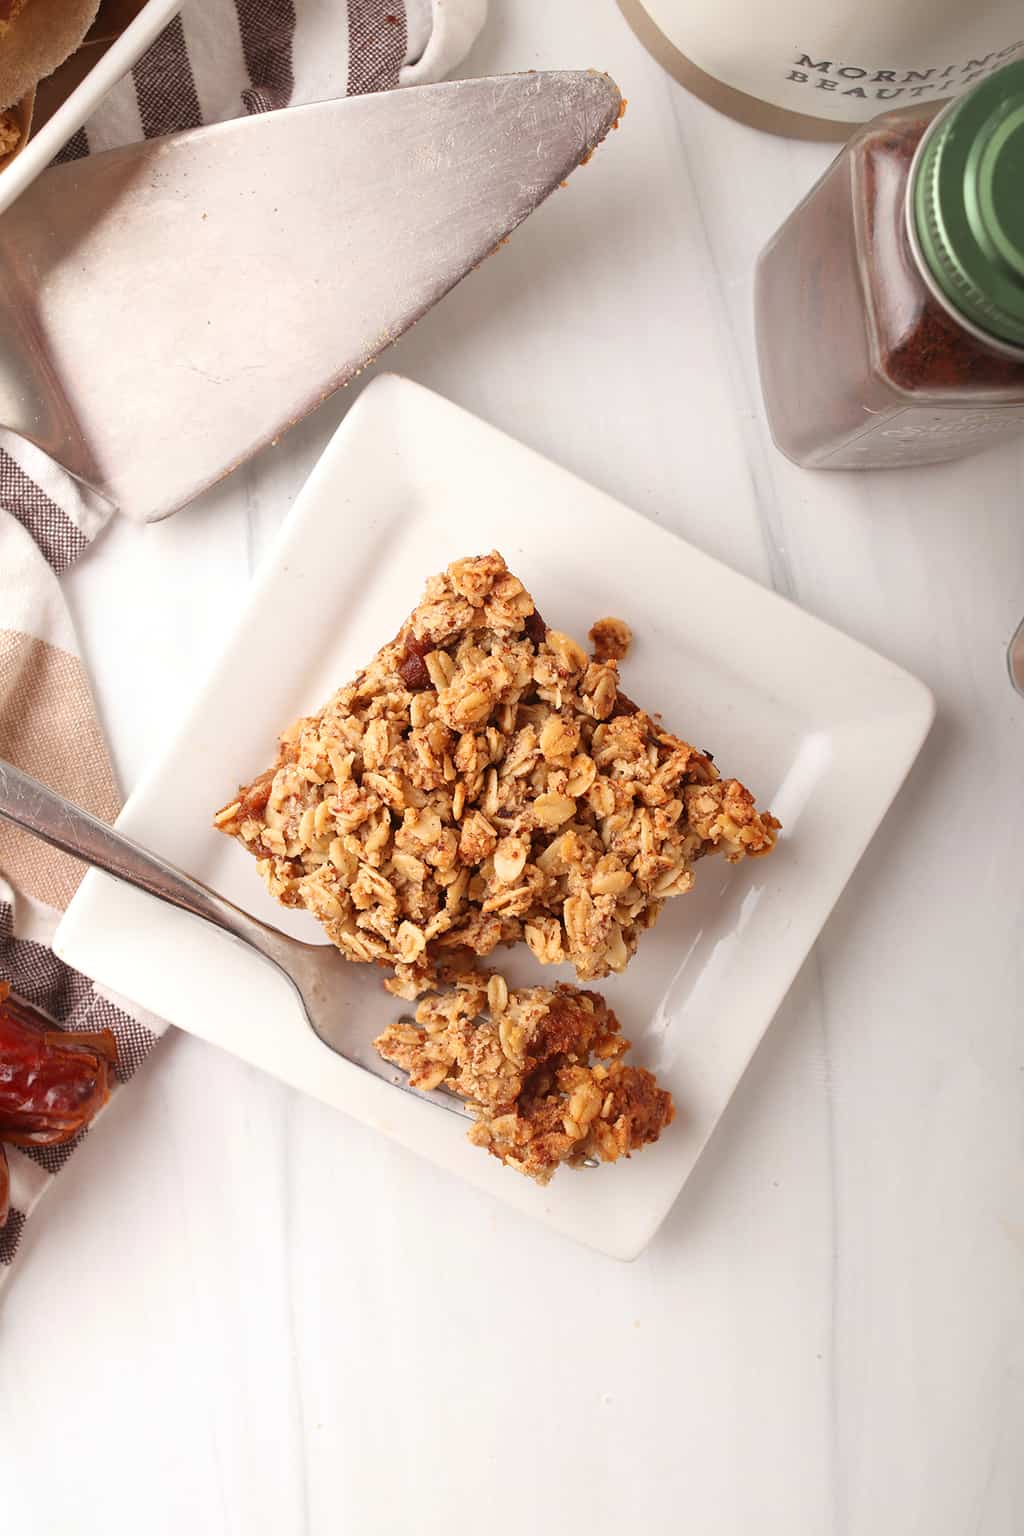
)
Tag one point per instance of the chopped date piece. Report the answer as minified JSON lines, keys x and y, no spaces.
{"x":52,"y":1081}
{"x":412,"y":666}
{"x":624,"y":706}
{"x":535,"y":628}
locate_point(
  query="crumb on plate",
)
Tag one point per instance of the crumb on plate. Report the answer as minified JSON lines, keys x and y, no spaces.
{"x":610,"y":639}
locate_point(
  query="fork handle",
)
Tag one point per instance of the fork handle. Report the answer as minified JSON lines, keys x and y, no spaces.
{"x":1015,"y":658}
{"x":40,"y":810}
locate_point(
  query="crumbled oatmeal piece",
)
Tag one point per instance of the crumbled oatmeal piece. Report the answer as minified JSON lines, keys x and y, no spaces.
{"x":10,"y":133}
{"x":541,"y":1068}
{"x":610,"y":639}
{"x":483,"y":782}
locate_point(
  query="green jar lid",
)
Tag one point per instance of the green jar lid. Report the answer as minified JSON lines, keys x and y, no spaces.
{"x":967,"y":200}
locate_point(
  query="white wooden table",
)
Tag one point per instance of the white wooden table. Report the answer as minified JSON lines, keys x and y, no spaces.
{"x":825,"y":1339}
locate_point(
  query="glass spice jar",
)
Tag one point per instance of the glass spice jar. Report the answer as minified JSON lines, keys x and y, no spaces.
{"x":890,"y":305}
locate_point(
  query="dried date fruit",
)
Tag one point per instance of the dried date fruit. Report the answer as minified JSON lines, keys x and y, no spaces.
{"x":413,"y":668}
{"x":52,"y":1081}
{"x":535,"y":627}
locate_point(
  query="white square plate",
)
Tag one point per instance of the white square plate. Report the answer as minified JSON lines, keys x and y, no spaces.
{"x":820,"y":728}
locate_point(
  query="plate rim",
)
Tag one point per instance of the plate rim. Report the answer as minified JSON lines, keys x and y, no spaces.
{"x":916,"y":715}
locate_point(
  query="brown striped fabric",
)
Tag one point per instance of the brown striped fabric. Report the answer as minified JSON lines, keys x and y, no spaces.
{"x":48,"y":728}
{"x":10,"y":1235}
{"x":376,"y":45}
{"x":267,"y":28}
{"x":59,"y":540}
{"x":164,"y":85}
{"x":76,"y":148}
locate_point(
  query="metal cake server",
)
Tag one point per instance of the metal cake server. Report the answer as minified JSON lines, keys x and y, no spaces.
{"x":168,"y":308}
{"x":327,"y":986}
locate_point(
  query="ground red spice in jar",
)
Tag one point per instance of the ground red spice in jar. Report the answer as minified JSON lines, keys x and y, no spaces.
{"x":890,"y":305}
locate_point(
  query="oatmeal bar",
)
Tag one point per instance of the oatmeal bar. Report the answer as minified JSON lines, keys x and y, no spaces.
{"x":483,"y":782}
{"x":541,"y":1068}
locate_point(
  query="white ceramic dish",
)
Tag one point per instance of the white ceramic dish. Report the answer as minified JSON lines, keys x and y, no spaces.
{"x":823,"y":730}
{"x":85,"y":98}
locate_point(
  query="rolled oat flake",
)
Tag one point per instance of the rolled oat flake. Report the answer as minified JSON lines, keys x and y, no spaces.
{"x":890,"y":305}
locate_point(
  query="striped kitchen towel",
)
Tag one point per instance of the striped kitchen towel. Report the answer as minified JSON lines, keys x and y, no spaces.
{"x":217,"y":59}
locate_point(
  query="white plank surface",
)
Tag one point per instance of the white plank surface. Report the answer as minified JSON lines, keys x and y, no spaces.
{"x":825,"y":1339}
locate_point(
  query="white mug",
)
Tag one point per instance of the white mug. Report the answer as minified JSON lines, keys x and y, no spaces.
{"x":817,"y":68}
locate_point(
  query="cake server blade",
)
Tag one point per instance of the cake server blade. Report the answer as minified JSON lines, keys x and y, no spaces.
{"x":169,"y":308}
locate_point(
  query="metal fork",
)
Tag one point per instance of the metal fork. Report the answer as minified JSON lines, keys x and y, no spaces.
{"x":1015,"y":659}
{"x":323,"y":981}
